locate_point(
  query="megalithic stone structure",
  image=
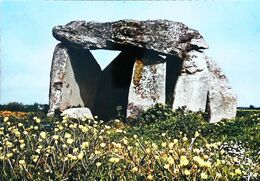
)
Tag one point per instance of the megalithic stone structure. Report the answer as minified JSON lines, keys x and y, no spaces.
{"x":161,"y":62}
{"x":148,"y":84}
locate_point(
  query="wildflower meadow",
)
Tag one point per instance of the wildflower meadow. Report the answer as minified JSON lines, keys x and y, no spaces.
{"x":35,"y":147}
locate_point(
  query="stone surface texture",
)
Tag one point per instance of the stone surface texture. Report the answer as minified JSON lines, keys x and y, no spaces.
{"x":78,"y":113}
{"x":147,"y":85}
{"x":73,"y":82}
{"x":192,"y":85}
{"x":222,"y":101}
{"x":161,"y":62}
{"x":163,"y":36}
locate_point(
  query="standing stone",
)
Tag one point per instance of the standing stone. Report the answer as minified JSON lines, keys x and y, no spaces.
{"x":74,"y":78}
{"x":222,"y":102}
{"x":147,"y":85}
{"x":192,"y":85}
{"x":59,"y":61}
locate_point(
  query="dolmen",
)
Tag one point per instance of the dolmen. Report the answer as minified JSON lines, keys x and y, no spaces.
{"x":161,"y":61}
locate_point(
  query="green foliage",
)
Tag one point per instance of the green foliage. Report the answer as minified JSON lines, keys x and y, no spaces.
{"x":160,"y":119}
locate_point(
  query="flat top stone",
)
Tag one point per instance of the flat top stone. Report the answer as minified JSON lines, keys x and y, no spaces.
{"x":162,"y":36}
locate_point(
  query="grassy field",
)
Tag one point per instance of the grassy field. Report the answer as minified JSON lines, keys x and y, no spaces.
{"x":160,"y":144}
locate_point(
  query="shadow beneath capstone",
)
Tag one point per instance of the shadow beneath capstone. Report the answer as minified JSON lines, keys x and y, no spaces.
{"x":173,"y":71}
{"x":114,"y":86}
{"x":87,"y":73}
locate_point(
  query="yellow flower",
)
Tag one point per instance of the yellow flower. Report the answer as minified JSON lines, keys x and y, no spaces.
{"x":199,"y":160}
{"x":17,"y":133}
{"x":56,"y":129}
{"x":135,"y":136}
{"x":154,"y":145}
{"x":134,"y":169}
{"x":9,"y":144}
{"x":85,"y":145}
{"x":238,"y":171}
{"x":125,"y":141}
{"x":207,"y":164}
{"x":98,"y":164}
{"x":9,"y":155}
{"x":149,"y":177}
{"x":184,"y":161}
{"x":206,"y":157}
{"x":21,"y":162}
{"x":38,"y":150}
{"x":97,"y":152}
{"x":166,"y":166}
{"x":164,"y":144}
{"x":218,"y":175}
{"x":148,"y":150}
{"x":75,"y":150}
{"x":67,"y":135}
{"x":197,"y":134}
{"x":20,"y":124}
{"x":176,"y":170}
{"x":70,"y":141}
{"x":222,"y":152}
{"x":175,"y":141}
{"x":119,"y":130}
{"x":43,"y":135}
{"x":170,"y":160}
{"x":203,"y":175}
{"x":163,"y":134}
{"x":22,"y":146}
{"x":114,"y":160}
{"x":185,"y":138}
{"x":35,"y":158}
{"x":102,"y":145}
{"x":80,"y":155}
{"x":171,"y":145}
{"x":56,"y":137}
{"x":21,"y":141}
{"x":187,"y":172}
{"x":37,"y":120}
{"x":6,"y":119}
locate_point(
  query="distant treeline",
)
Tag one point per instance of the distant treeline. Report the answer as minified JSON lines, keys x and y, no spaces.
{"x":17,"y":106}
{"x":250,"y":107}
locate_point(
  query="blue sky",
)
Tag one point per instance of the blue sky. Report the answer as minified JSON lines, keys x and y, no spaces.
{"x":231,"y":28}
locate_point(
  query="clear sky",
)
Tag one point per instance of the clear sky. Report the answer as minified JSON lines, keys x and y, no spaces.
{"x":231,"y":28}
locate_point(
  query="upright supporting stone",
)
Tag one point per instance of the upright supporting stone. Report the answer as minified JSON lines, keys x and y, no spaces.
{"x":192,"y":85}
{"x":74,"y":79}
{"x":147,"y":85}
{"x":222,"y":102}
{"x":59,"y":61}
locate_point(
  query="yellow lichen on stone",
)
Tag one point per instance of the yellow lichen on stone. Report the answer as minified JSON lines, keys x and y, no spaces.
{"x":139,"y":65}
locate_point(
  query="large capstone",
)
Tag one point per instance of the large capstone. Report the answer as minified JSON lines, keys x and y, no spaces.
{"x":161,"y":62}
